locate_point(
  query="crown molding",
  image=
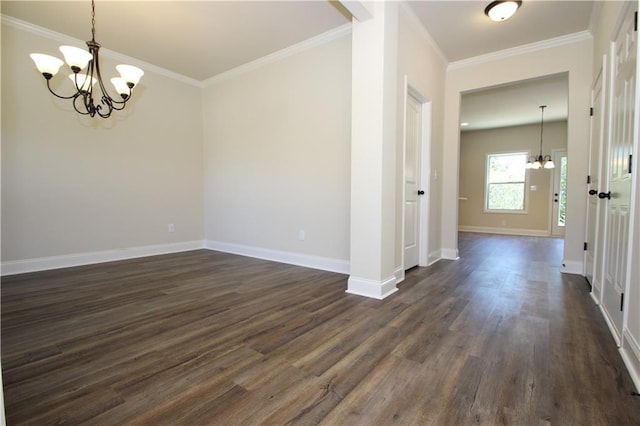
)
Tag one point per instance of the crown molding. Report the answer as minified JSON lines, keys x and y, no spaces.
{"x":521,"y":50}
{"x":318,"y":40}
{"x":65,"y":39}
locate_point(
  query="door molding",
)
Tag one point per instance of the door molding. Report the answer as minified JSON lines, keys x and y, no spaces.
{"x":425,"y":172}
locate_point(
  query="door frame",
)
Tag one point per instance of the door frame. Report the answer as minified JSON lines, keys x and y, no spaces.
{"x":425,"y":174}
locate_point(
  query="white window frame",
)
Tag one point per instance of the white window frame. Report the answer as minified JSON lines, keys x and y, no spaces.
{"x":525,"y":182}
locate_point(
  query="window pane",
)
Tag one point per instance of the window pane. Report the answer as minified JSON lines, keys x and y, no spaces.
{"x":507,"y":168}
{"x":562,"y":195}
{"x":506,"y":196}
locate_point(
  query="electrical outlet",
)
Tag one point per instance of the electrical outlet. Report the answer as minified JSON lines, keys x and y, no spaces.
{"x":170,"y":228}
{"x":301,"y":235}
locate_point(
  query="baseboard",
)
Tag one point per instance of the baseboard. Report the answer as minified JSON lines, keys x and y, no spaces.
{"x":372,"y":288}
{"x":449,"y":254}
{"x":308,"y":261}
{"x":399,"y":274}
{"x":572,"y":267}
{"x":13,"y":267}
{"x":434,"y":256}
{"x":504,"y":231}
{"x":630,"y":352}
{"x":612,"y":328}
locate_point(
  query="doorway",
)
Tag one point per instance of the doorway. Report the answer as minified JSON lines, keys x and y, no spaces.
{"x":416,"y":189}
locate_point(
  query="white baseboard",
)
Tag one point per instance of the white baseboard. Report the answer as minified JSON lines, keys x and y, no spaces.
{"x":450,"y":254}
{"x":504,"y":231}
{"x":434,"y":256}
{"x":372,"y":288}
{"x":13,"y":267}
{"x":572,"y":267}
{"x":612,"y":328}
{"x":308,"y":261}
{"x":630,"y":352}
{"x":399,"y":274}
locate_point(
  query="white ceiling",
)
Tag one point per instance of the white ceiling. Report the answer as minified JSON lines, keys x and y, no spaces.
{"x":201,"y":39}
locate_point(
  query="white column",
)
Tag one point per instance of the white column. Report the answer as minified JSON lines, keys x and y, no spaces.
{"x":373,"y":152}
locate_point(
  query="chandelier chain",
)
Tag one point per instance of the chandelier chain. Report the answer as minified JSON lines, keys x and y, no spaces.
{"x":93,"y":20}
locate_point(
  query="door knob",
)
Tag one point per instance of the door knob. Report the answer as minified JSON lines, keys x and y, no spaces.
{"x":593,"y":191}
{"x":420,"y":192}
{"x":603,"y":195}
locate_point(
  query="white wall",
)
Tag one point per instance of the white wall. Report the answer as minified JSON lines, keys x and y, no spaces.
{"x":573,"y":55}
{"x":74,"y":185}
{"x":276,"y":154}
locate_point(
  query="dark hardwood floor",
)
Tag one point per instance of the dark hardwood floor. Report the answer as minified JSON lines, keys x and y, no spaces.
{"x":497,"y":337}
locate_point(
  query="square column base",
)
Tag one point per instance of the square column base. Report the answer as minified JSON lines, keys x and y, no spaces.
{"x":372,"y":288}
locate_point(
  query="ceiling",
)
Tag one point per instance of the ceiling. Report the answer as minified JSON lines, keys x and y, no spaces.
{"x":201,"y":39}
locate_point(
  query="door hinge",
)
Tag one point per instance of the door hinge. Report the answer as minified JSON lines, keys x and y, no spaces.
{"x":588,"y":179}
{"x":630,"y":158}
{"x":586,"y":246}
{"x":635,"y":21}
{"x":591,"y":111}
{"x":621,"y":301}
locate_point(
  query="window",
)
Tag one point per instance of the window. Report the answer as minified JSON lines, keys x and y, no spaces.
{"x":505,"y":191}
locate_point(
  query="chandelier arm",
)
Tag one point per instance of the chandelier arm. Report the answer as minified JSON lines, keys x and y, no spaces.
{"x":105,"y":93}
{"x":75,"y":100}
{"x":60,"y":96}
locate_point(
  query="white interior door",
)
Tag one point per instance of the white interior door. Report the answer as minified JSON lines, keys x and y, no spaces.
{"x":559,"y":207}
{"x":617,"y":193}
{"x":412,"y":189}
{"x":594,"y":226}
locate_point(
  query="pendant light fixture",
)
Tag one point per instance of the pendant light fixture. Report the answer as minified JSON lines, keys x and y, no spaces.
{"x":86,"y":100}
{"x":501,"y":10}
{"x":540,"y":161}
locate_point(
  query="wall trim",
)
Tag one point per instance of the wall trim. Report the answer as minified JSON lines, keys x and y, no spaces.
{"x":65,"y":39}
{"x":521,"y":50}
{"x":630,"y":352}
{"x":434,"y":256}
{"x":504,"y":231}
{"x":13,"y":267}
{"x":318,"y":40}
{"x":399,"y":274}
{"x":298,"y":259}
{"x":372,"y":288}
{"x":572,"y":267}
{"x":449,"y":254}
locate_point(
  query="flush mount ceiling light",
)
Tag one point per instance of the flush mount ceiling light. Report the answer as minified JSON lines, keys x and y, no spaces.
{"x":540,"y":161}
{"x":501,"y":10}
{"x":86,"y":101}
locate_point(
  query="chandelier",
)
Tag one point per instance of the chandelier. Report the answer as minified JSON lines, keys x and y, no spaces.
{"x":86,"y":100}
{"x":540,"y":161}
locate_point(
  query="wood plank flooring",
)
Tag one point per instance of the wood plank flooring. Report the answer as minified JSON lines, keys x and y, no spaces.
{"x":497,"y":337}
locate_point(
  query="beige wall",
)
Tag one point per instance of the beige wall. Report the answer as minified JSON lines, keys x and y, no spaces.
{"x":424,"y":68}
{"x":474,"y":148}
{"x":277,"y":154}
{"x":74,"y":185}
{"x":574,"y":57}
